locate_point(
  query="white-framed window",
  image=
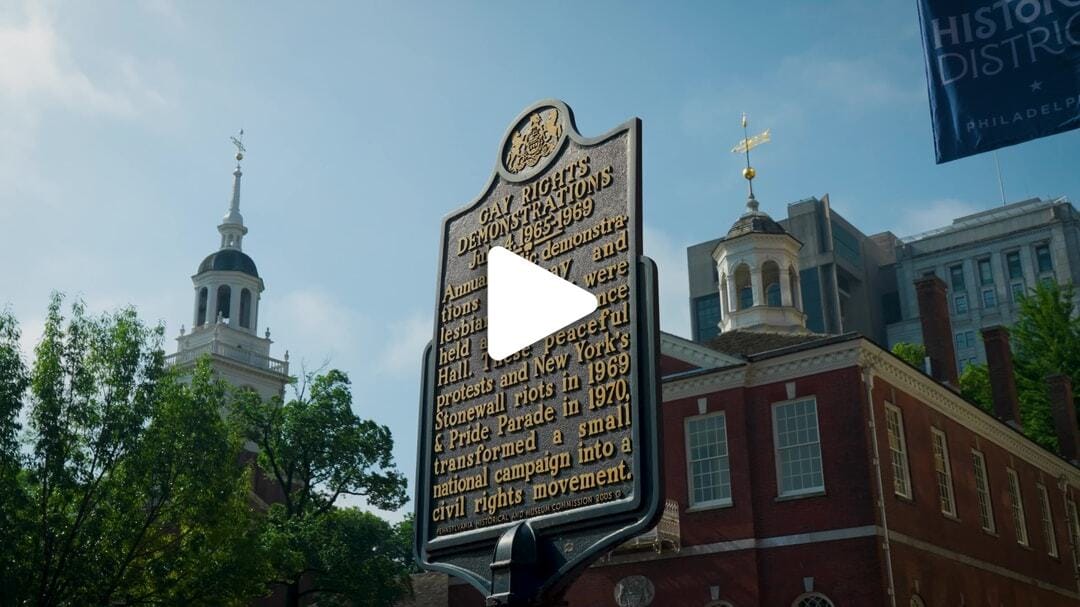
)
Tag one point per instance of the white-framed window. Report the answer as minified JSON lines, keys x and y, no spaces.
{"x":707,"y":460}
{"x":1016,"y":504}
{"x":1046,"y":516}
{"x":982,"y":490}
{"x":812,"y":599}
{"x":798,"y":448}
{"x":894,"y":424}
{"x":943,"y":470}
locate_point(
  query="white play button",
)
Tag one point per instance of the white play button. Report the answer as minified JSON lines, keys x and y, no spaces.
{"x":526,"y":303}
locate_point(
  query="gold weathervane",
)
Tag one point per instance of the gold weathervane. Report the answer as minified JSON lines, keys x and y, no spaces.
{"x":744,"y":146}
{"x":238,"y":141}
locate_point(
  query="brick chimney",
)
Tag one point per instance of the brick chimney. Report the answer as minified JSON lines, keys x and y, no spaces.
{"x":937,"y":329}
{"x":1002,"y":380}
{"x":1061,"y":404}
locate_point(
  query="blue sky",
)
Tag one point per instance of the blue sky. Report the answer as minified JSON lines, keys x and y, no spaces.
{"x":367,"y":122}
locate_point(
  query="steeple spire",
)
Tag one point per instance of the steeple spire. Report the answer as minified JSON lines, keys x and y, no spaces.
{"x":232,"y":226}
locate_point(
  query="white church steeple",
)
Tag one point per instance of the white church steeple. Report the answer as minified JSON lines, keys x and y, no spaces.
{"x":225,"y":321}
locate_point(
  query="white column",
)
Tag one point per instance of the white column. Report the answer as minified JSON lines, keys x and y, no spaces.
{"x":234,"y":306}
{"x":785,"y":288}
{"x":211,"y":303}
{"x":733,"y":294}
{"x":195,"y":313}
{"x":755,"y":283}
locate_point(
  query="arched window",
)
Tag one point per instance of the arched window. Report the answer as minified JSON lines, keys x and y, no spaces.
{"x":813,"y":599}
{"x":200,"y":316}
{"x":224,"y":303}
{"x":245,"y":308}
{"x":770,"y":279}
{"x":743,"y":290}
{"x":720,"y":604}
{"x":916,"y":601}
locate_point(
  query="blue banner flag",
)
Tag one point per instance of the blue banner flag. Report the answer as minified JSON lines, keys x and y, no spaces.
{"x":1000,"y":71}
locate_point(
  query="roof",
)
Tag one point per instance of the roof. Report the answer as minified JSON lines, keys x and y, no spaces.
{"x":760,"y":344}
{"x":228,"y":260}
{"x":755,"y":222}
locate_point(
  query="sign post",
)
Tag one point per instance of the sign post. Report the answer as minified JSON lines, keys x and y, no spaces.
{"x":532,"y":466}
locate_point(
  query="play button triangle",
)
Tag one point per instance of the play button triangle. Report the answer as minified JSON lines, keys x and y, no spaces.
{"x":526,"y":303}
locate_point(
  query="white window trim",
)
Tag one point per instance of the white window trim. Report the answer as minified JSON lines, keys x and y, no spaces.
{"x":989,"y":495}
{"x":809,"y":491}
{"x":810,"y":595}
{"x":936,"y":432}
{"x":1016,"y":505}
{"x":905,"y":466}
{"x":719,"y":503}
{"x":1046,"y":521}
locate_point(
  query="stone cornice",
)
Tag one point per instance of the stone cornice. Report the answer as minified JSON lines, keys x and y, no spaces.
{"x":953,"y":406}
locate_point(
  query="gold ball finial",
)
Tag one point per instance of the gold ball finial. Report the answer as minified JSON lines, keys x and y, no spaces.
{"x":749,"y":173}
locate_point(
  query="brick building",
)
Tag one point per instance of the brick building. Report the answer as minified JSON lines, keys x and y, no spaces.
{"x":810,"y":470}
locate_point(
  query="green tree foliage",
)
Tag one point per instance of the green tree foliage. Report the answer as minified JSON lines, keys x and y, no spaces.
{"x":14,"y":380}
{"x":1046,"y":340}
{"x":975,"y":386}
{"x":128,"y":490}
{"x":912,"y":354}
{"x":315,"y":450}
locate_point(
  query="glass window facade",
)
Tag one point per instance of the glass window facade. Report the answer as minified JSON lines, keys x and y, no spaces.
{"x":707,"y":317}
{"x":846,"y":244}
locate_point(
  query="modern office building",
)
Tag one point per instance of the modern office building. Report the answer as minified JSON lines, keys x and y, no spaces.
{"x":986,"y":260}
{"x":843,"y":278}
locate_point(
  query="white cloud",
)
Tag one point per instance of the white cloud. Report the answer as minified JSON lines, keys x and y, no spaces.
{"x":37,"y":69}
{"x":670,"y":258}
{"x":317,"y":328}
{"x":936,"y":214}
{"x":405,"y":345}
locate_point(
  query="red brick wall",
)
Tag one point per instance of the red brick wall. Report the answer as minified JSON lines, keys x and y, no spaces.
{"x":921,"y":517}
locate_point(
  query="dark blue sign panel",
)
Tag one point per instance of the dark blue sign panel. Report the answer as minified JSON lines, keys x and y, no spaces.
{"x":1000,"y":71}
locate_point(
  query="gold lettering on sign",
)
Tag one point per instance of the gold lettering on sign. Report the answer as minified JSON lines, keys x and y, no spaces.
{"x":534,"y":142}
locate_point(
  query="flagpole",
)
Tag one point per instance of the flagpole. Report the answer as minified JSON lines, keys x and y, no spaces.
{"x":1001,"y":182}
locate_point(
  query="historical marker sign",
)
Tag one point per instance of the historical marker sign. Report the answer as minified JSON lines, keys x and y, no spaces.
{"x":532,"y":466}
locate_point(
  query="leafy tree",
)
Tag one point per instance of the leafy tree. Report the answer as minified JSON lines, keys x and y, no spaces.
{"x":129,"y":491}
{"x":912,"y":354}
{"x":1046,"y":340}
{"x":975,"y":386}
{"x":14,"y":380}
{"x":314,"y":450}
